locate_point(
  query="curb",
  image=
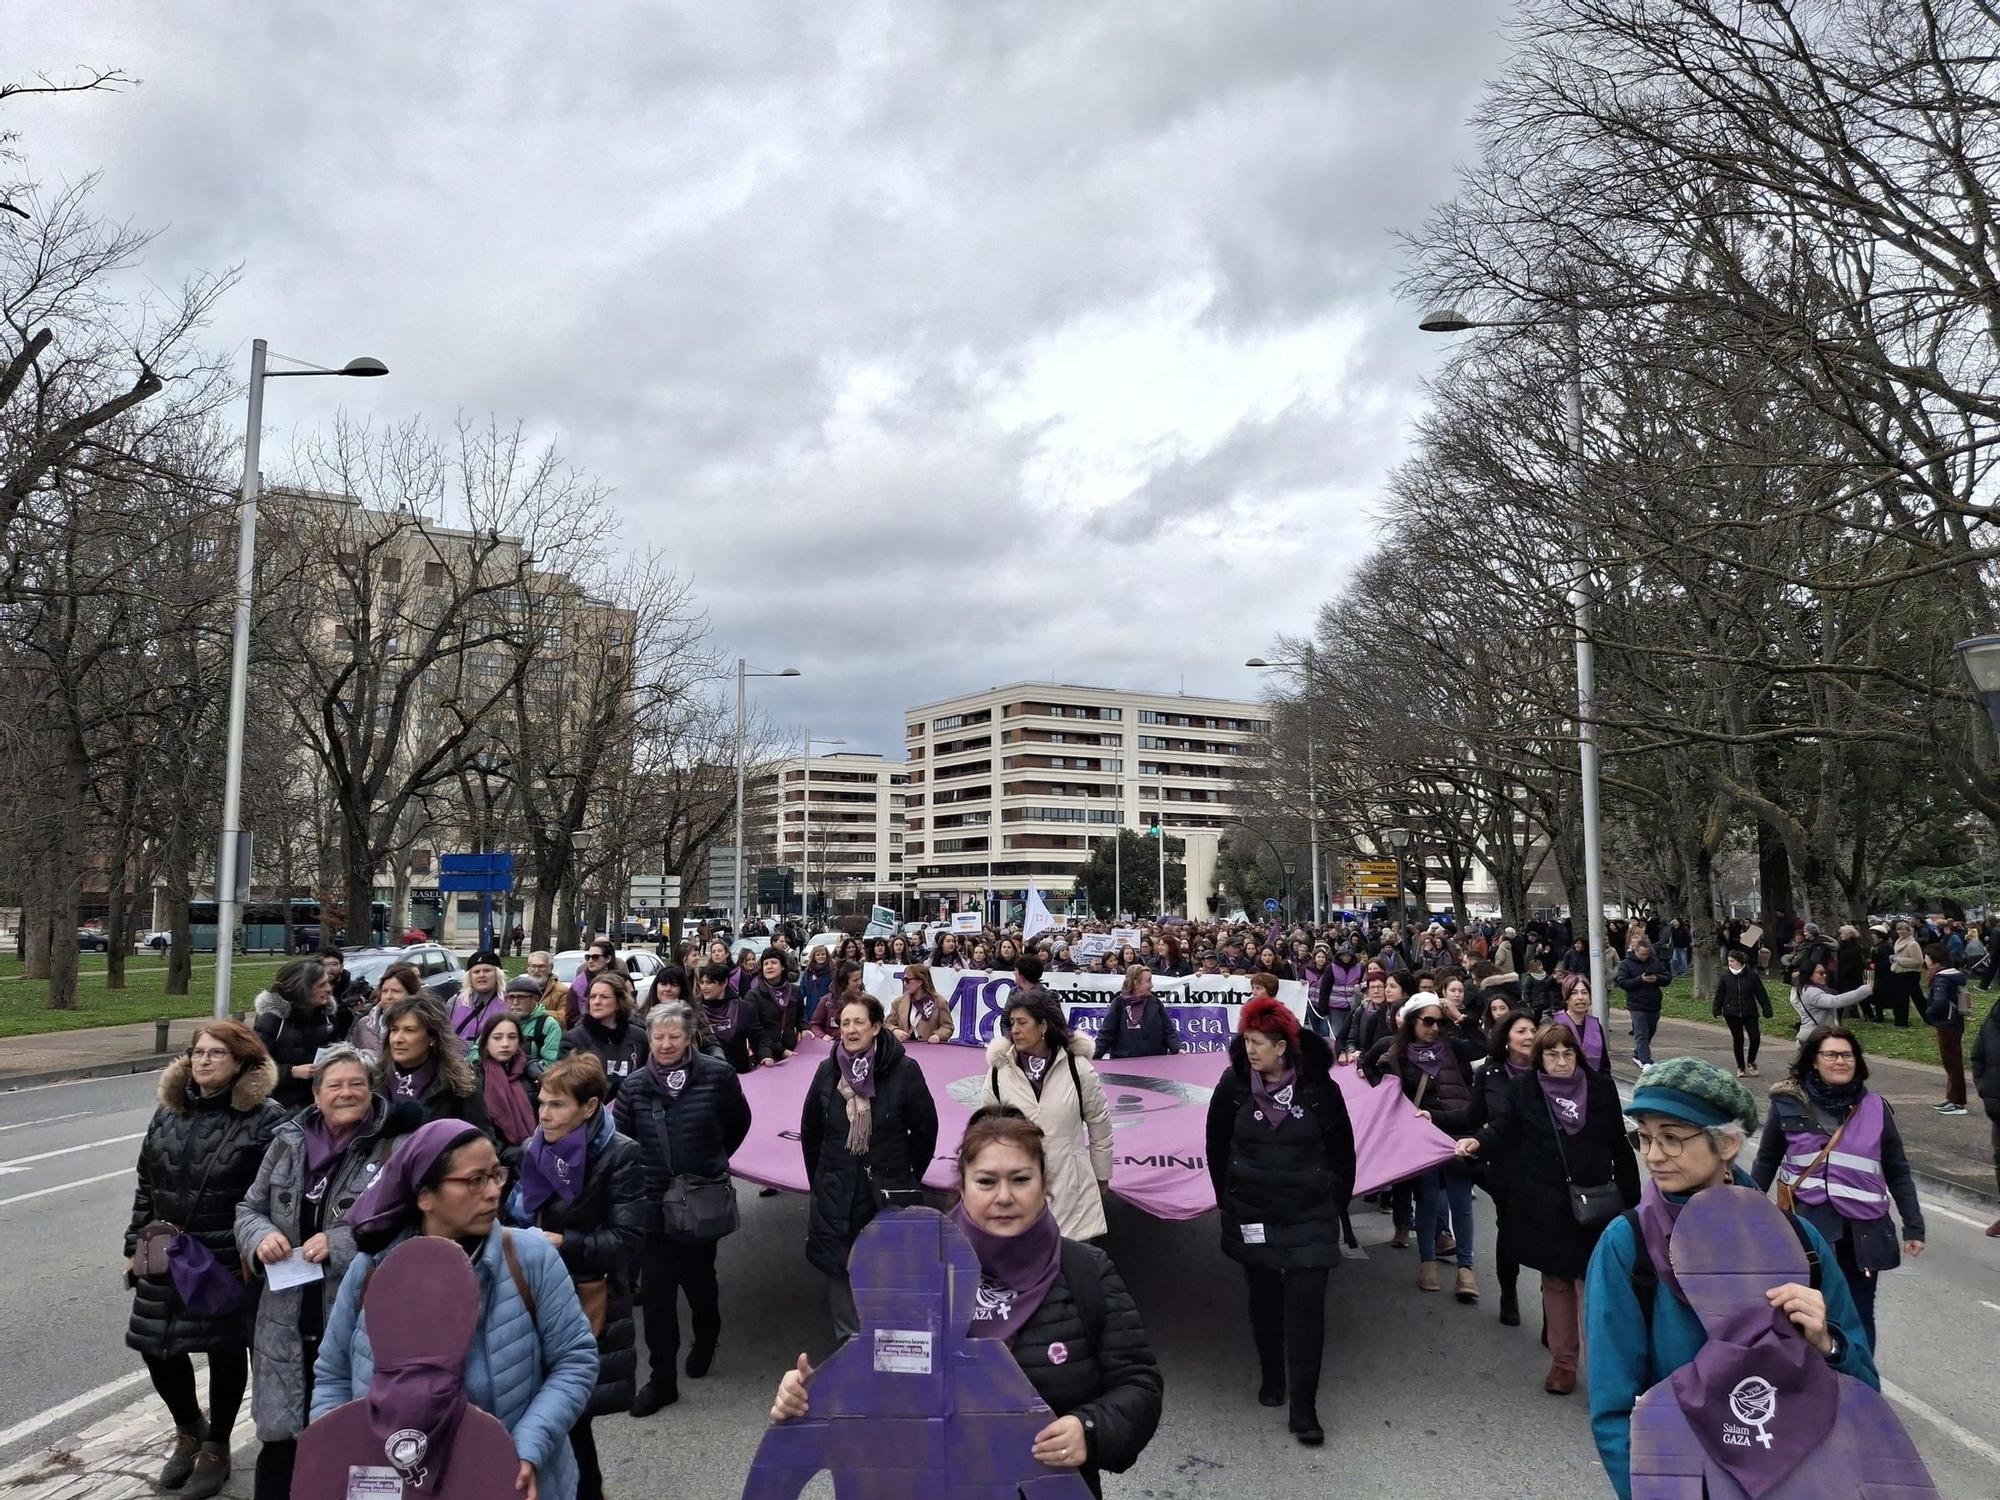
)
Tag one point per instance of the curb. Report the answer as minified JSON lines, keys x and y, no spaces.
{"x":152,"y":1062}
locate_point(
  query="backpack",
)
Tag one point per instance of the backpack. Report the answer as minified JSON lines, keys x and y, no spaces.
{"x":1646,"y":1279}
{"x":1086,"y":1289}
{"x":1076,"y":1084}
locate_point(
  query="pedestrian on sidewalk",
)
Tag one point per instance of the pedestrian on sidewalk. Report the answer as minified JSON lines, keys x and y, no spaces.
{"x":295,"y":1021}
{"x":1642,"y":976}
{"x":1740,"y":997}
{"x":200,"y":1155}
{"x":1815,"y":1003}
{"x":1945,"y":1007}
{"x":1906,"y":974}
{"x":1832,"y":1146}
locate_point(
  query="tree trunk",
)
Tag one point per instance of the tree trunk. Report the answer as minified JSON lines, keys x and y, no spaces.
{"x":1774,"y":874}
{"x":175,"y":860}
{"x":118,"y":920}
{"x":357,"y":876}
{"x":66,"y":877}
{"x":35,"y":930}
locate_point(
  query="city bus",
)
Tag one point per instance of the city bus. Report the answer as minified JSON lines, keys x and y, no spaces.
{"x":265,"y":924}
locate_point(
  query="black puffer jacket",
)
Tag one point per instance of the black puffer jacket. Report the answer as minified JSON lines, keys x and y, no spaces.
{"x":601,"y":1234}
{"x":1521,"y":1144}
{"x":1540,"y":995}
{"x":440,"y":1101}
{"x":1107,"y":1378}
{"x":1741,"y":995}
{"x":902,"y":1134}
{"x":1383,"y":1063}
{"x":293,"y":1035}
{"x":622,"y":1051}
{"x":1154,"y":1036}
{"x":1293,"y":1181}
{"x":780,"y":1013}
{"x":697,"y":1132}
{"x":187,"y":1134}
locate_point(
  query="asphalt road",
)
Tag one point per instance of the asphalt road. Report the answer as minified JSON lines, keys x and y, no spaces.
{"x":1422,"y":1396}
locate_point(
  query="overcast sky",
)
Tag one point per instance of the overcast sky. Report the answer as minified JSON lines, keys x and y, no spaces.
{"x":943,"y":344}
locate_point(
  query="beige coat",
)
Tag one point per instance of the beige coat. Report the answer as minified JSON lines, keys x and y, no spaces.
{"x":1077,"y":1141}
{"x":916,"y":1028}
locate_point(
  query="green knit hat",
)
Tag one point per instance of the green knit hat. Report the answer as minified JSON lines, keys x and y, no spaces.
{"x":1690,"y":1089}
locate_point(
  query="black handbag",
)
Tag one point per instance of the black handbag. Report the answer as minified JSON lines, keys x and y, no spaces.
{"x":695,"y":1209}
{"x":1592,"y":1205}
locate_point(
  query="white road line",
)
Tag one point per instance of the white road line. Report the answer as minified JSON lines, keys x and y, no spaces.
{"x":21,"y":1163}
{"x":1932,"y":1206}
{"x":75,"y":1404}
{"x":1990,"y":1306}
{"x":77,"y":1114}
{"x":1918,"y":1407}
{"x":64,"y":1187}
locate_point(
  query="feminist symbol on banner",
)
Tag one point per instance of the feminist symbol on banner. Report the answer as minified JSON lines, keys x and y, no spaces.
{"x":1755,"y":1403}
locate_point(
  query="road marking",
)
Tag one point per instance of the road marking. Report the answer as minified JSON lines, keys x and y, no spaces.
{"x":1932,"y":1206}
{"x":75,"y":1404}
{"x":64,"y":1187}
{"x":51,"y":1120}
{"x":1919,"y":1407}
{"x":1990,"y":1306}
{"x":22,"y":1163}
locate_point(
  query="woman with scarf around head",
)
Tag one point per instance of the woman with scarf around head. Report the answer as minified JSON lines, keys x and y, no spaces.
{"x":778,"y":1009}
{"x":1137,"y":1024}
{"x":921,"y":1013}
{"x":424,"y":1064}
{"x":533,"y":1360}
{"x":869,"y":1127}
{"x":1842,"y":1187}
{"x":1510,"y":1052}
{"x":1556,"y":1125}
{"x":201,"y":1153}
{"x":1281,"y":1157}
{"x":1059,"y":1304}
{"x":1692,"y":1119}
{"x":583,"y":1186}
{"x":608,"y":1032}
{"x":729,"y":1018}
{"x":1593,"y":1047}
{"x":686,"y":1110}
{"x":1434,"y":1064}
{"x":317,"y":1165}
{"x":508,"y":1082}
{"x":1038,"y":1066}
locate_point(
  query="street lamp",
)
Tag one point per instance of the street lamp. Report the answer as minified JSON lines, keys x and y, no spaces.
{"x":1980,"y":657}
{"x":1305,"y":669}
{"x":805,"y":833}
{"x":1450,"y":320}
{"x":742,"y":672}
{"x":231,"y":868}
{"x":1399,"y":840}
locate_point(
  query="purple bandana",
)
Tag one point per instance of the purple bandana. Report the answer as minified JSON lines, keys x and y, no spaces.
{"x":415,"y":1406}
{"x":858,"y":1068}
{"x":506,"y":1101}
{"x":1657,"y":1216}
{"x":323,"y":1148}
{"x":1015,"y":1273}
{"x":671,"y":1080}
{"x":1037,"y":1068}
{"x":1428,"y":1055}
{"x":1758,"y":1396}
{"x":411,"y":1085}
{"x":1568,"y":1099}
{"x":722,"y":1019}
{"x":927,"y":1009}
{"x":554,"y":1169}
{"x":1274,"y":1101}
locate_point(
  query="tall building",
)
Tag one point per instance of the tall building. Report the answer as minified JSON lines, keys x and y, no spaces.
{"x":1013,"y":783}
{"x":836,"y":821}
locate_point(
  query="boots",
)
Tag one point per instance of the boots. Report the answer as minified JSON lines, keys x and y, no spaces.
{"x":1447,"y":1243}
{"x":1427,"y":1276}
{"x":180,"y":1464}
{"x":654,"y":1394}
{"x":1510,"y":1308}
{"x":1305,"y":1427}
{"x":1467,"y":1288}
{"x":1401,"y":1241}
{"x":211,"y":1473}
{"x":1560,"y":1381}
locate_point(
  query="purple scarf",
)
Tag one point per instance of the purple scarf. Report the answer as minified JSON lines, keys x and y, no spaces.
{"x":412,"y":1085}
{"x":1428,"y":1055}
{"x":1135,"y":1012}
{"x":858,"y":1068}
{"x":420,"y":1396}
{"x":1015,"y":1273}
{"x":1758,"y":1397}
{"x":554,"y":1169}
{"x":1274,"y":1101}
{"x":1037,"y":1069}
{"x":1516,"y":1070}
{"x":1568,"y":1099}
{"x":722,"y":1019}
{"x":1657,"y":1216}
{"x":671,"y":1080}
{"x":506,"y":1101}
{"x":323,"y":1148}
{"x":1589,"y":1038}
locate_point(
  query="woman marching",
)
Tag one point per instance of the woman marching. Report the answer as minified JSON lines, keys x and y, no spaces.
{"x":200,"y":1155}
{"x":1137,"y":1024}
{"x":1592,"y":1047}
{"x":1039,"y":1068}
{"x":1435,"y":1066}
{"x":1558,"y":1126}
{"x":425,"y":1063}
{"x":507,"y":1084}
{"x":1739,"y":999}
{"x":1059,"y":1304}
{"x":1281,"y":1157}
{"x":608,"y":1032}
{"x":1510,"y":1054}
{"x":1832,"y":1146}
{"x":869,"y":1127}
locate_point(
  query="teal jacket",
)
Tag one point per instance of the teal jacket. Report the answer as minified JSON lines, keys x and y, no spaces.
{"x":1627,"y":1360}
{"x":535,"y":1376}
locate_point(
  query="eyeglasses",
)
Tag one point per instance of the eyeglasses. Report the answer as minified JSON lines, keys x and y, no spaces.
{"x":497,"y":1177}
{"x":1670,"y":1145}
{"x":1836,"y":1056}
{"x":1559,"y":1052}
{"x":211,"y":1054}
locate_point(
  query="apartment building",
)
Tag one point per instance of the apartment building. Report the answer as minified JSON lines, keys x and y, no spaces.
{"x":1013,"y":783}
{"x":837,"y":822}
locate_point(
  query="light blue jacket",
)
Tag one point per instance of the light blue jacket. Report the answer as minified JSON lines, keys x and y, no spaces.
{"x":1627,"y":1360}
{"x":535,"y":1376}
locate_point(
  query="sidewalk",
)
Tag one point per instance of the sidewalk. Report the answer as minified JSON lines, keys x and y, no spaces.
{"x":1953,"y":1157}
{"x":94,"y":1052}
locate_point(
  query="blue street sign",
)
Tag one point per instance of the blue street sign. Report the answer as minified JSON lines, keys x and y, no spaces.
{"x":475,"y":872}
{"x":1271,"y":905}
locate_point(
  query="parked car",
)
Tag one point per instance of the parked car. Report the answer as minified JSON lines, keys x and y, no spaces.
{"x":93,"y":940}
{"x":157,"y":942}
{"x":443,"y":975}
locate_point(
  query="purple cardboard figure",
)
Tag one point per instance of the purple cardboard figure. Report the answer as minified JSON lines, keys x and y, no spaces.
{"x":414,"y":1433}
{"x":912,"y":1407}
{"x":1758,"y":1414}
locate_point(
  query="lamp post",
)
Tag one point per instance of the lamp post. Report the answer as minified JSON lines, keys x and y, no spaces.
{"x":1980,"y":657}
{"x":743,"y":672}
{"x":805,"y":833}
{"x":231,"y":868}
{"x":1399,"y":840}
{"x":1305,"y":670}
{"x":1449,"y":320}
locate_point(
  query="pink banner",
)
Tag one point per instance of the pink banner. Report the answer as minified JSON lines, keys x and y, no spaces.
{"x":1159,"y":1107}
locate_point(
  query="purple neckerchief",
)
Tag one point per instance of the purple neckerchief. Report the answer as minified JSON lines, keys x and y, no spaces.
{"x":1657,"y":1214}
{"x":1517,"y":1070}
{"x":554,"y":1169}
{"x":927,"y":1008}
{"x":858,"y":1068}
{"x":1758,"y":1397}
{"x":1135,"y":1011}
{"x":1568,"y":1099}
{"x":412,"y":1085}
{"x":414,"y":1408}
{"x":671,"y":1080}
{"x":1037,"y":1069}
{"x":722,"y":1019}
{"x":323,"y":1147}
{"x":1274,"y":1100}
{"x":1427,"y":1055}
{"x":1589,"y":1037}
{"x":1015,"y":1273}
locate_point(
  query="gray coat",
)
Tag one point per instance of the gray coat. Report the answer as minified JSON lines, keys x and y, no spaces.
{"x":278,"y":1347}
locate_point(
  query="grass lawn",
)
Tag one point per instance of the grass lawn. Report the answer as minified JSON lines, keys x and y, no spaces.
{"x":1918,"y":1044}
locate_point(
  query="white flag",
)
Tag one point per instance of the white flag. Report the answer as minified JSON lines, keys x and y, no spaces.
{"x":1038,"y":918}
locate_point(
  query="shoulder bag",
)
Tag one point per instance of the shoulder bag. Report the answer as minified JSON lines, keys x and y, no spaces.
{"x":695,"y":1209}
{"x":1787,"y":1194}
{"x":1592,"y":1205}
{"x":163,"y":1248}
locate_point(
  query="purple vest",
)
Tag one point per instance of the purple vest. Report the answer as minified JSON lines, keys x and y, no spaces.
{"x":1852,"y":1175}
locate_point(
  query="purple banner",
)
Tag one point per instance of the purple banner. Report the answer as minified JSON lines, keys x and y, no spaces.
{"x":1202,"y":1028}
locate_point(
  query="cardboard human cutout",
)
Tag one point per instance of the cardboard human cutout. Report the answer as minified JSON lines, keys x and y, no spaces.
{"x":413,"y":1433}
{"x":912,"y":1407}
{"x":1759,"y":1414}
